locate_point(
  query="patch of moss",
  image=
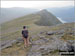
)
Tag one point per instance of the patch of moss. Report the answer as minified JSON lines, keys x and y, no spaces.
{"x":34,"y":39}
{"x":55,"y":51}
{"x":68,"y":37}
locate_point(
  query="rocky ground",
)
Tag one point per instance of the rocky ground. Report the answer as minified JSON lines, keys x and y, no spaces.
{"x":51,"y":43}
{"x":44,"y":43}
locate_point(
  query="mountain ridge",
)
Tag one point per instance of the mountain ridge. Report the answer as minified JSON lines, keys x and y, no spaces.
{"x":15,"y":12}
{"x":65,"y":13}
{"x":47,"y":18}
{"x":42,"y":18}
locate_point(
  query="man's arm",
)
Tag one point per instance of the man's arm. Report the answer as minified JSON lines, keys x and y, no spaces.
{"x":22,"y":34}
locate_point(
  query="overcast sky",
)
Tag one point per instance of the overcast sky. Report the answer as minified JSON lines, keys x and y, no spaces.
{"x":36,"y":4}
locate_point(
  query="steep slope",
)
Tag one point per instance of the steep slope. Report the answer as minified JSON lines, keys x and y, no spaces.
{"x":47,"y":19}
{"x":65,"y":13}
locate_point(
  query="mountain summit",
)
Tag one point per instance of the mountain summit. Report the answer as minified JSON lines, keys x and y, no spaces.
{"x":43,"y":11}
{"x":47,"y":18}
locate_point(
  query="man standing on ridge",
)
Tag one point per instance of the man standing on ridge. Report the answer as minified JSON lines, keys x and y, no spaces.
{"x":25,"y":36}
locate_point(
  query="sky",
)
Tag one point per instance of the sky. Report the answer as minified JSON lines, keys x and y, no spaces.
{"x":36,"y":4}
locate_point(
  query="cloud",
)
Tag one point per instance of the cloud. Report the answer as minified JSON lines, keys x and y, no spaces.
{"x":36,"y":4}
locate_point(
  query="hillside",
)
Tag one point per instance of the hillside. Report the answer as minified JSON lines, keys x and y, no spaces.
{"x":8,"y":29}
{"x":43,"y":18}
{"x":47,"y":19}
{"x":15,"y":12}
{"x":45,"y":39}
{"x":65,"y":13}
{"x":11,"y":38}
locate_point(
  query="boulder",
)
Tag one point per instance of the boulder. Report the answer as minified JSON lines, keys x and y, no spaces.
{"x":71,"y":41}
{"x":55,"y":32}
{"x":50,"y":33}
{"x":9,"y":43}
{"x":35,"y":48}
{"x":41,"y":36}
{"x":41,"y":47}
{"x":60,"y":32}
{"x":34,"y":54}
{"x":70,"y":47}
{"x":40,"y":41}
{"x":19,"y":40}
{"x":71,"y":33}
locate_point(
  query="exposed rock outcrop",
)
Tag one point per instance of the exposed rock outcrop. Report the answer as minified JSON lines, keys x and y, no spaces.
{"x":44,"y":46}
{"x":10,"y":43}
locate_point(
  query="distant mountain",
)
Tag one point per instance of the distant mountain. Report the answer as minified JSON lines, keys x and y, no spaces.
{"x":41,"y":18}
{"x":47,"y":18}
{"x":12,"y":13}
{"x":65,"y":13}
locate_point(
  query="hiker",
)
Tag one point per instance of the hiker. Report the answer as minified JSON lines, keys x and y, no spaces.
{"x":25,"y":36}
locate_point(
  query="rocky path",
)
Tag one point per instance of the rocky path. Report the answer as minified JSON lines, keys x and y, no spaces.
{"x":44,"y":43}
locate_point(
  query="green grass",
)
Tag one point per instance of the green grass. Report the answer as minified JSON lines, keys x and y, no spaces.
{"x":15,"y":50}
{"x":68,"y":37}
{"x":55,"y":51}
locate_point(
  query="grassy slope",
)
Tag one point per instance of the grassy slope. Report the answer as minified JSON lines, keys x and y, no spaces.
{"x":47,"y":19}
{"x":12,"y":30}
